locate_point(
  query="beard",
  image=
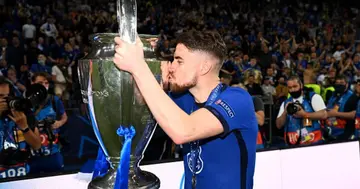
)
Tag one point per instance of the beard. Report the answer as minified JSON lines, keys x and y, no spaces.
{"x":177,"y":88}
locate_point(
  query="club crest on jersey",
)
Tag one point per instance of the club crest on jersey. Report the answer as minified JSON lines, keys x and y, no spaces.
{"x":229,"y":111}
{"x":199,"y":165}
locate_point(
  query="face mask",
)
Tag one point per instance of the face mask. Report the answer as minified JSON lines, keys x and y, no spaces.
{"x":339,"y":89}
{"x":41,"y":62}
{"x":295,"y":94}
{"x":352,"y":87}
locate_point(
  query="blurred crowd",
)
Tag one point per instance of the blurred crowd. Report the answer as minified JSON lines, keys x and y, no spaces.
{"x":268,"y":41}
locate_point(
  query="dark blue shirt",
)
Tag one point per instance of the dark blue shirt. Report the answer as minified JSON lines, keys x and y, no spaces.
{"x":40,"y":68}
{"x":227,"y":160}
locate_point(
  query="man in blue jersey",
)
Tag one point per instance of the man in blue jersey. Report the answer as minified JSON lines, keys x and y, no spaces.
{"x":215,"y":124}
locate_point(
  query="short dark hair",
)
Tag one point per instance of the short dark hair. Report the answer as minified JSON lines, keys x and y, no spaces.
{"x":5,"y":81}
{"x":342,"y":77}
{"x":296,"y":78}
{"x":206,"y":41}
{"x":41,"y":74}
{"x":224,"y":75}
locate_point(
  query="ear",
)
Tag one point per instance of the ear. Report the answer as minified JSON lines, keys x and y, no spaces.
{"x":206,"y":66}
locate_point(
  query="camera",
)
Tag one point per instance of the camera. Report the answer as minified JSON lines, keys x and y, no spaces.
{"x":46,"y":124}
{"x":292,"y":108}
{"x":34,"y":95}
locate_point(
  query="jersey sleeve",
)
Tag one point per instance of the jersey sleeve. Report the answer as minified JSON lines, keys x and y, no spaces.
{"x":234,"y":109}
{"x":258,"y":104}
{"x":282,"y":109}
{"x":59,"y":106}
{"x":318,"y":103}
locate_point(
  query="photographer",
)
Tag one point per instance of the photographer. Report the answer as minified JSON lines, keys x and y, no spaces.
{"x":341,"y":107}
{"x":300,"y":115}
{"x":51,"y":116}
{"x":17,"y":136}
{"x":260,"y":116}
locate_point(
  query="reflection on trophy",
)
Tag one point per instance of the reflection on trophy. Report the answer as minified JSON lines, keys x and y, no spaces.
{"x":113,"y":100}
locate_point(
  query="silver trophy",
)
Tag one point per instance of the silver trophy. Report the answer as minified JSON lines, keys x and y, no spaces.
{"x":113,"y":100}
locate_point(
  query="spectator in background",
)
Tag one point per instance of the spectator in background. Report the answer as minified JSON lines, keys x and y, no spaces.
{"x":25,"y":75}
{"x":41,"y":65}
{"x":15,"y":54}
{"x":252,"y":65}
{"x":42,"y":47}
{"x":327,"y":90}
{"x":252,"y":87}
{"x":225,"y":77}
{"x":4,"y":67}
{"x":260,"y":116}
{"x":49,"y":30}
{"x":271,"y":75}
{"x":32,"y":53}
{"x":3,"y":47}
{"x":281,"y":90}
{"x":69,"y":54}
{"x":268,"y":88}
{"x":165,"y":50}
{"x":19,"y":87}
{"x":61,"y":75}
{"x":57,"y":49}
{"x":29,"y":32}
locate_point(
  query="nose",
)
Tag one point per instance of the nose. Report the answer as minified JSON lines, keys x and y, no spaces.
{"x":172,"y":67}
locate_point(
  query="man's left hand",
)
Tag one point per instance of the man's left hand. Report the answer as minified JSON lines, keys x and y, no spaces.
{"x":332,"y":113}
{"x":19,"y":118}
{"x":56,"y":125}
{"x":129,"y":57}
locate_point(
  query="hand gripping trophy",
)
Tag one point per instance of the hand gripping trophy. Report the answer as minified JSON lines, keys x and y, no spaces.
{"x":120,"y":118}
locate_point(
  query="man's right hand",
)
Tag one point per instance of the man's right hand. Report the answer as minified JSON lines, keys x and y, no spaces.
{"x":19,"y":118}
{"x":285,"y":108}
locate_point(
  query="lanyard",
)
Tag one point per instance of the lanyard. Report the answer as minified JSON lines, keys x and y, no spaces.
{"x":194,"y":146}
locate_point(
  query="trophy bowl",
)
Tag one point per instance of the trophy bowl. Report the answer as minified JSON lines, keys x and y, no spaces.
{"x":113,"y":100}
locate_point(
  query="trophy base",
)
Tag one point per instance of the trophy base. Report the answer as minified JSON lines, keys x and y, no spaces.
{"x":147,"y":180}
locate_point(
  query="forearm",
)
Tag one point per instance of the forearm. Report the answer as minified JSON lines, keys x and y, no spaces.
{"x":280,"y":121}
{"x":319,"y":115}
{"x":260,"y":118}
{"x":170,"y":117}
{"x":21,"y":86}
{"x":33,"y":140}
{"x":63,"y":119}
{"x":346,"y":115}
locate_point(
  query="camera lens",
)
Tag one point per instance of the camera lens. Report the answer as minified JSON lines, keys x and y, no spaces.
{"x":291,"y":109}
{"x":19,"y":104}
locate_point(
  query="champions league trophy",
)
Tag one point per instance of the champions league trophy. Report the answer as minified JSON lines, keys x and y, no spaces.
{"x":120,"y":118}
